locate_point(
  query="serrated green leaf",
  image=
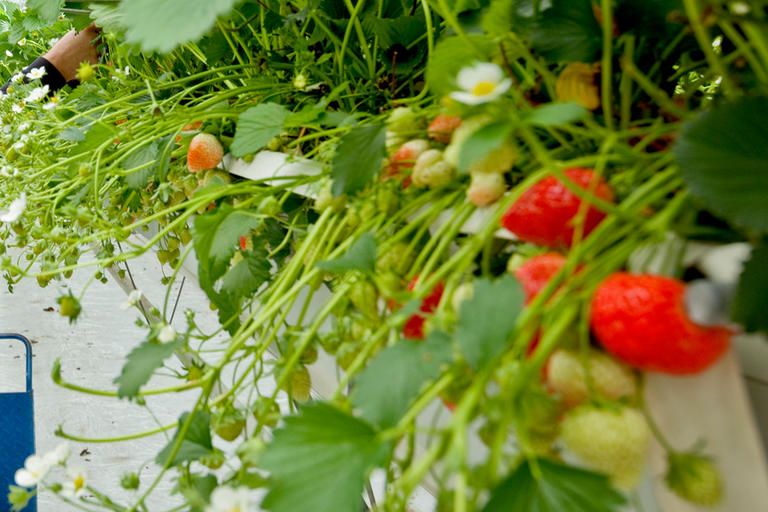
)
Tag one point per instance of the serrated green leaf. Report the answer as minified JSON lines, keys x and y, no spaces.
{"x":319,"y":461}
{"x":554,"y":488}
{"x":150,"y":160}
{"x":73,"y":134}
{"x":107,"y":16}
{"x":487,"y":319}
{"x":245,"y":278}
{"x":257,"y":126}
{"x":751,"y":304}
{"x":196,"y":442}
{"x":215,"y":47}
{"x":357,"y":159}
{"x":48,"y":11}
{"x":163,"y":25}
{"x":556,"y":114}
{"x":568,"y":32}
{"x":360,"y":256}
{"x":142,"y":363}
{"x":94,"y":138}
{"x":81,"y":21}
{"x":481,"y":142}
{"x":450,"y":55}
{"x":723,"y":155}
{"x":405,"y":367}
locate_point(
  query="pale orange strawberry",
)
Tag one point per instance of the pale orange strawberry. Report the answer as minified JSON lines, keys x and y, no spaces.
{"x":442,"y":127}
{"x":205,"y":152}
{"x":405,"y":157}
{"x":192,"y":126}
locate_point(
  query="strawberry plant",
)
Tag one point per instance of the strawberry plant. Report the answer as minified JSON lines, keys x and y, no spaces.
{"x":478,"y":185}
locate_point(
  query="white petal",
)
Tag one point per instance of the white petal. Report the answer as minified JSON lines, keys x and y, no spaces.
{"x":59,"y":455}
{"x":468,"y":98}
{"x":24,"y":478}
{"x":167,"y":333}
{"x":488,"y":72}
{"x":15,"y":210}
{"x":467,"y":79}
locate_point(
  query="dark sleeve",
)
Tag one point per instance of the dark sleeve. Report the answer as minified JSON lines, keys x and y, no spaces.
{"x":53,"y":79}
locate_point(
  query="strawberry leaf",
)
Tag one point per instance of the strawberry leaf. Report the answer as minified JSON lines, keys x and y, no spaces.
{"x":556,"y":114}
{"x":142,"y":363}
{"x":568,"y":32}
{"x":319,"y":461}
{"x":722,"y":154}
{"x":405,"y":367}
{"x":487,"y":319}
{"x":196,"y":443}
{"x":361,"y":256}
{"x":554,"y":488}
{"x":47,"y":10}
{"x":750,"y":305}
{"x":163,"y":25}
{"x":481,"y":142}
{"x":357,"y":159}
{"x":249,"y":274}
{"x":257,"y":126}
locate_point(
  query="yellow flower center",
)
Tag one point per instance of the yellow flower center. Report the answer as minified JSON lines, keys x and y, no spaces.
{"x":483,"y":88}
{"x":79,"y":482}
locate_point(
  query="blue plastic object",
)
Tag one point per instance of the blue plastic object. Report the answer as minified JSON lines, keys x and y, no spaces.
{"x":17,"y":430}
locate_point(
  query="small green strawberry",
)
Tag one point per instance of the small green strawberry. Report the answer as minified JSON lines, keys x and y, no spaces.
{"x":365,"y":297}
{"x":300,"y":384}
{"x":431,"y":171}
{"x":611,"y":379}
{"x":251,"y":450}
{"x":228,"y":422}
{"x":613,"y":441}
{"x":695,"y":478}
{"x":70,"y":307}
{"x":325,"y":199}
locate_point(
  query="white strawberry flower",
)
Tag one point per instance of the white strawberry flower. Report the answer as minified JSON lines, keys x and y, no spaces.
{"x":18,"y":107}
{"x":17,"y":78}
{"x":5,"y":172}
{"x":35,"y":469}
{"x":167,"y":333}
{"x":23,"y":127}
{"x":59,"y":455}
{"x":9,"y":53}
{"x":50,"y":105}
{"x":480,"y":83}
{"x":22,"y":41}
{"x":226,"y":499}
{"x":15,"y":210}
{"x":53,"y":41}
{"x":77,"y":479}
{"x":35,"y":73}
{"x":37,"y":94}
{"x":20,"y":145}
{"x":133,"y":298}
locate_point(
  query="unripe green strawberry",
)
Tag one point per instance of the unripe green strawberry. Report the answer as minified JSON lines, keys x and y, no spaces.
{"x":462,"y":133}
{"x":269,"y":206}
{"x":486,"y":188}
{"x":387,"y":200}
{"x":695,"y":478}
{"x":228,"y":423}
{"x":365,"y":297}
{"x":346,"y":354}
{"x":300,"y":384}
{"x":186,"y":237}
{"x":609,"y":441}
{"x":209,"y":175}
{"x":326,"y":200}
{"x":274,"y":144}
{"x":162,"y":256}
{"x":267,"y":412}
{"x":173,"y":243}
{"x":70,"y":307}
{"x":403,"y":120}
{"x":251,"y":450}
{"x":214,"y":460}
{"x":393,"y":141}
{"x":177,"y":198}
{"x":236,"y":258}
{"x":396,"y":259}
{"x":611,"y":379}
{"x":431,"y":170}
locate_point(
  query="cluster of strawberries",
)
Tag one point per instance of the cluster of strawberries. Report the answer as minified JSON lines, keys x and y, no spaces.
{"x":433,"y":163}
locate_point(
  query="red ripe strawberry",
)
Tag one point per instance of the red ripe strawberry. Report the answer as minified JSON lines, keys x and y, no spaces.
{"x":442,"y":127}
{"x":414,"y":326}
{"x":405,"y":157}
{"x":205,"y":152}
{"x":641,"y":320}
{"x":544,"y":213}
{"x":535,"y":273}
